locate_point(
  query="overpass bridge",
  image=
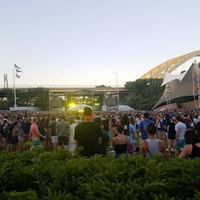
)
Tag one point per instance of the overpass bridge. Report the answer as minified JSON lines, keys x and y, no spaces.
{"x":63,"y":96}
{"x":56,"y":89}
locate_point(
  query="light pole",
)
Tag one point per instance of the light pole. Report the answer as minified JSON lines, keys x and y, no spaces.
{"x":95,"y":82}
{"x":93,"y":100}
{"x":14,"y":90}
{"x":117,"y":90}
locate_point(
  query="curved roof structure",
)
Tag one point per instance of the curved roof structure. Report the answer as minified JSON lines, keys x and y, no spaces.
{"x":169,"y":65}
{"x":182,"y":85}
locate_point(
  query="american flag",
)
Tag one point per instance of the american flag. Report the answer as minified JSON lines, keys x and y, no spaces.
{"x":17,"y":70}
{"x":18,"y":76}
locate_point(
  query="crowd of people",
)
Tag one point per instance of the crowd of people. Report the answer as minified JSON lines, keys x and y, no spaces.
{"x":169,"y":132}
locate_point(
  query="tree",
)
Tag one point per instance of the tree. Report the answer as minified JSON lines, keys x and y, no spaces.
{"x":144,"y":93}
{"x":38,"y":97}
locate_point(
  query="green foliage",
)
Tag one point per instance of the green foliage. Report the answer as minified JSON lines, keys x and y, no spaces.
{"x":144,"y":93}
{"x":4,"y":105}
{"x":38,"y":97}
{"x":25,"y":195}
{"x":60,"y":175}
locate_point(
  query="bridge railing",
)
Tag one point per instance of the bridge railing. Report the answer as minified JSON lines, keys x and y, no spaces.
{"x":59,"y":86}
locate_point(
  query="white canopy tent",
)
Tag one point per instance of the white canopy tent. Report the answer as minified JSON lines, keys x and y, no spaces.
{"x":78,"y":107}
{"x":180,"y":85}
{"x":125,"y":108}
{"x":170,"y":77}
{"x":121,"y":108}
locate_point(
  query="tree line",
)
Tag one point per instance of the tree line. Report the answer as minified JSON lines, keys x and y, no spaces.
{"x":143,"y":95}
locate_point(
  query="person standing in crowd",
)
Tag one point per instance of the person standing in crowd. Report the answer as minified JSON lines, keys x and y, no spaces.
{"x":63,"y":132}
{"x":9,"y":135}
{"x":105,"y":141}
{"x":130,"y":131}
{"x":45,"y":126}
{"x":160,"y":127}
{"x":72,"y":144}
{"x":192,"y":148}
{"x":34,"y":133}
{"x":20,"y":135}
{"x":186,"y":120}
{"x":41,"y":122}
{"x":113,"y":119}
{"x":197,"y":125}
{"x":4,"y":132}
{"x":138,"y":120}
{"x":16,"y":132}
{"x":105,"y":124}
{"x":88,"y":135}
{"x":25,"y":125}
{"x":143,"y":126}
{"x":118,"y":119}
{"x":52,"y":133}
{"x":171,"y":134}
{"x":133,"y":122}
{"x":166,"y":121}
{"x":120,"y":142}
{"x":180,"y":129}
{"x":152,"y":145}
{"x":114,"y":130}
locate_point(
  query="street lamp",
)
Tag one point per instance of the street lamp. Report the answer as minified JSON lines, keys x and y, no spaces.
{"x":93,"y":101}
{"x":117,"y":90}
{"x":95,"y":82}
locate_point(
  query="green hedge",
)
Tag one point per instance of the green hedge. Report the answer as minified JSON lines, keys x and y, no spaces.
{"x":60,"y":175}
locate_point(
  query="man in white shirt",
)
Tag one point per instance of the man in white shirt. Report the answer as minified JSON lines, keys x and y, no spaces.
{"x":180,"y":129}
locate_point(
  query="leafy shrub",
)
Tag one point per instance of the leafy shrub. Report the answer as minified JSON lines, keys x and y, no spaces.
{"x":61,"y":175}
{"x":26,"y":195}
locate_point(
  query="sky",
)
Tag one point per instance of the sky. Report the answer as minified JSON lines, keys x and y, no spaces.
{"x":92,"y":42}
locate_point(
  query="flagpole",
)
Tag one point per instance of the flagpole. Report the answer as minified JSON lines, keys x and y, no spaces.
{"x":15,"y":75}
{"x":14,"y":88}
